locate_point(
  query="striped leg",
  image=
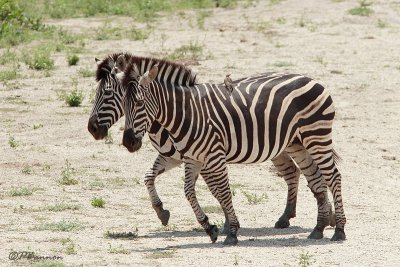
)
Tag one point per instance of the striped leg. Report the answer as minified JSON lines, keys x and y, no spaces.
{"x":216,"y":177}
{"x":160,"y":165}
{"x":192,"y":170}
{"x":286,"y":168}
{"x":326,"y":163}
{"x":317,"y":185}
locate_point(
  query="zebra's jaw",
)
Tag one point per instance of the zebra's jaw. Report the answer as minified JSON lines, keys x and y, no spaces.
{"x":98,"y":131}
{"x":130,"y":141}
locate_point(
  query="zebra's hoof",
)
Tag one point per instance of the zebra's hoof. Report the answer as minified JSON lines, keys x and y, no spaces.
{"x":332,"y":220}
{"x":339,"y":235}
{"x":316,"y":234}
{"x":164,"y":217}
{"x":213,"y":233}
{"x":280,"y":224}
{"x":230,"y":240}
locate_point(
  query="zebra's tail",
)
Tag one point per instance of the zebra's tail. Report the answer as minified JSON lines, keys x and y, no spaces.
{"x":336,"y":158}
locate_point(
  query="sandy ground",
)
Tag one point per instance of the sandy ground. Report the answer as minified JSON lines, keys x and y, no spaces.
{"x":353,"y":57}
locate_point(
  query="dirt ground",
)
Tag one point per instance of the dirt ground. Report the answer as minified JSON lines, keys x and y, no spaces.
{"x":356,"y":58}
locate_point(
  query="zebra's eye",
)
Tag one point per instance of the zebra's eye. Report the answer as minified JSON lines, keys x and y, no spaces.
{"x":140,"y":102}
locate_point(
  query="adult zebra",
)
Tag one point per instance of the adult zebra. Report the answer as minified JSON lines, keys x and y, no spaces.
{"x":266,"y":115}
{"x":103,"y":116}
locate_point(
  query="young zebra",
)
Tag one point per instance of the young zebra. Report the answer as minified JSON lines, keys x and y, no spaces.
{"x":266,"y":115}
{"x":103,"y":116}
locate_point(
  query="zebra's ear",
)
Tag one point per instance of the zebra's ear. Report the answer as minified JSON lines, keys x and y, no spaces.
{"x":149,"y":76}
{"x":97,"y":61}
{"x":120,"y":64}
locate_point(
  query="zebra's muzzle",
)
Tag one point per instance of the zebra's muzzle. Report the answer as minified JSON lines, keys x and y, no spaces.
{"x":98,"y":131}
{"x":130,"y":141}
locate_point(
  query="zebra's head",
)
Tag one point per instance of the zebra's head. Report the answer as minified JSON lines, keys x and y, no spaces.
{"x":108,"y":103}
{"x":139,"y":111}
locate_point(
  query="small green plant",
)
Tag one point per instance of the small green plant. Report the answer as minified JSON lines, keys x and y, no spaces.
{"x":161,"y":254}
{"x":274,"y":2}
{"x":27,"y":170}
{"x":382,"y":24}
{"x":305,"y":259}
{"x":118,"y":250}
{"x":8,"y":57}
{"x":49,"y":264}
{"x":109,"y":138}
{"x":61,"y":226}
{"x":236,"y":260}
{"x":61,"y":207}
{"x":122,"y":235}
{"x":362,"y":10}
{"x":67,"y":175}
{"x":6,"y":75}
{"x":68,"y":245}
{"x":86,"y":73}
{"x":74,"y":98}
{"x":191,"y":51}
{"x":40,"y":60}
{"x":137,"y":34}
{"x":200,"y":17}
{"x":212,"y":209}
{"x":37,"y":126}
{"x":12,"y":142}
{"x":21,"y":191}
{"x":73,"y":60}
{"x":253,"y":199}
{"x":233,"y":187}
{"x":98,"y":202}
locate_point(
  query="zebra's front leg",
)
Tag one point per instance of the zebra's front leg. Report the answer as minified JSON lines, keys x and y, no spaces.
{"x":160,"y":165}
{"x":217,"y":180}
{"x":290,"y":173}
{"x":192,"y":170}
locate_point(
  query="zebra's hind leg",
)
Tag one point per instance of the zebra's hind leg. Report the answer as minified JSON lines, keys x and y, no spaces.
{"x":192,"y":170}
{"x":326,"y":163}
{"x":317,"y":185}
{"x":160,"y":165}
{"x":286,"y":168}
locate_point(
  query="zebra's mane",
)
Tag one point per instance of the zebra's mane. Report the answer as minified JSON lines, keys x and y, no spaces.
{"x":106,"y":65}
{"x":139,"y":65}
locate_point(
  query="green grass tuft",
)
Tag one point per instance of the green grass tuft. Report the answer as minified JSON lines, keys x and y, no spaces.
{"x":362,"y":10}
{"x":40,"y":60}
{"x":21,"y":191}
{"x":191,"y":51}
{"x":12,"y":142}
{"x":74,"y":98}
{"x":98,"y":202}
{"x":61,"y":207}
{"x":73,"y":60}
{"x":62,"y":226}
{"x":6,"y":75}
{"x":67,"y":175}
{"x":122,"y":235}
{"x":86,"y":73}
{"x":48,"y":264}
{"x":254,"y":199}
{"x":161,"y":254}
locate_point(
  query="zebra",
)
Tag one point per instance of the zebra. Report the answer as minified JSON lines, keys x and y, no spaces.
{"x":102,"y":117}
{"x":267,"y":114}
